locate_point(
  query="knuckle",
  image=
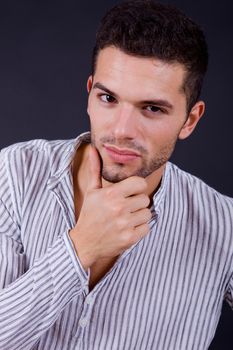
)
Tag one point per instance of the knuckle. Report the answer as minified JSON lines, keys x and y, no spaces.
{"x":118,"y":210}
{"x":121,"y":223}
{"x":146,"y":200}
{"x":143,"y":229}
{"x":127,"y":238}
{"x":115,"y":209}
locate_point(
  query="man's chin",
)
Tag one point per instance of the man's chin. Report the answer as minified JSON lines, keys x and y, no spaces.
{"x":115,"y":175}
{"x":114,"y":178}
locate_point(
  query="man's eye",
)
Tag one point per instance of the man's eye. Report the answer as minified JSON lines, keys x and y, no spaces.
{"x":153,"y":109}
{"x":107,"y":98}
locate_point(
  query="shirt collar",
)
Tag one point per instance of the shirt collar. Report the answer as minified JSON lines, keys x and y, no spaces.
{"x":62,"y":158}
{"x":159,"y":196}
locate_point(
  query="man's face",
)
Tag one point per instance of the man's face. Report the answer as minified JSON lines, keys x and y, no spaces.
{"x":137,"y":109}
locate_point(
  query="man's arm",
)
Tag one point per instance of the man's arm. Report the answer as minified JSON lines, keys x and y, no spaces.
{"x":32,"y":300}
{"x":35,"y":299}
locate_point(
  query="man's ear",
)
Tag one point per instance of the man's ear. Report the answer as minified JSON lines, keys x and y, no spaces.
{"x":89,"y":83}
{"x":89,"y":86}
{"x":194,"y":116}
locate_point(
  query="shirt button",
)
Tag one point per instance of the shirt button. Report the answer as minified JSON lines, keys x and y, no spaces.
{"x":83,"y":322}
{"x":89,"y":300}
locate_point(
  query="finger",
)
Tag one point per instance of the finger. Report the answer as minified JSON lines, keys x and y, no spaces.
{"x":141,"y":231}
{"x":140,"y":217}
{"x":137,"y":202}
{"x":94,"y":176}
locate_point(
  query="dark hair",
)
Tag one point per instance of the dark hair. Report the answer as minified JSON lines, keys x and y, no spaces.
{"x":147,"y":29}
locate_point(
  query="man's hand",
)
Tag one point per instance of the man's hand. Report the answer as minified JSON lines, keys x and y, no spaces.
{"x":112,"y":218}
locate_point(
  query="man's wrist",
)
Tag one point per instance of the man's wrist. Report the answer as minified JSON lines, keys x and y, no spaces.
{"x":81,"y":250}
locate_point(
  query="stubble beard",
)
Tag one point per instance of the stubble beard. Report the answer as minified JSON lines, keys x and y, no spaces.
{"x":117,"y":172}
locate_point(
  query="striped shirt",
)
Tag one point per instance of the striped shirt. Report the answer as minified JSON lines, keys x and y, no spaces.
{"x":163,"y":293}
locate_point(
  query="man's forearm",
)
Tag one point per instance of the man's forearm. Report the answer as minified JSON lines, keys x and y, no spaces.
{"x":33,"y":302}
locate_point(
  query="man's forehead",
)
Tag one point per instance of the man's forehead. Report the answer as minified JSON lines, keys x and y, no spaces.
{"x":117,"y":69}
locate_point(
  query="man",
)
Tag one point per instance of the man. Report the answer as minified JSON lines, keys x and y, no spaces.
{"x":109,"y":245}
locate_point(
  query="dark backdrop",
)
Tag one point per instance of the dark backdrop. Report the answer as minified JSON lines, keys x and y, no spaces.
{"x":45,"y":52}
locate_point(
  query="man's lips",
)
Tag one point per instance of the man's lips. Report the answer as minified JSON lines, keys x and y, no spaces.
{"x":121,"y":155}
{"x":122,"y":150}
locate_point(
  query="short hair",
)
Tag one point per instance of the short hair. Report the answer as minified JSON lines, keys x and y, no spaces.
{"x":148,"y":29}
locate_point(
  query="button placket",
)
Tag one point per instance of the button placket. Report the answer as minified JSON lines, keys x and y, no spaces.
{"x":89,"y":299}
{"x":87,"y":308}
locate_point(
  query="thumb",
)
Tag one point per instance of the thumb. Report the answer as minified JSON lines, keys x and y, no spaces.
{"x":94,"y":178}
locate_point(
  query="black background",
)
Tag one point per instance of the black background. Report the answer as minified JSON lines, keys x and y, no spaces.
{"x":45,"y":55}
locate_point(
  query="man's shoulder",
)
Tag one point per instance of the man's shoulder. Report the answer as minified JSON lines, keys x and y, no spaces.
{"x":43,"y":146}
{"x":206,"y":212}
{"x":54,"y":153}
{"x":198,"y":189}
{"x":35,"y":160}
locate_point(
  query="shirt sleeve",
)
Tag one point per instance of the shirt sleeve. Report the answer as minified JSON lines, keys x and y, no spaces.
{"x":76,"y":261}
{"x":31,"y":301}
{"x":229,"y":292}
{"x":228,"y":298}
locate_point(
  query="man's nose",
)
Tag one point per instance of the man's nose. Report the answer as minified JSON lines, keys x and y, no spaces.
{"x":126,"y":123}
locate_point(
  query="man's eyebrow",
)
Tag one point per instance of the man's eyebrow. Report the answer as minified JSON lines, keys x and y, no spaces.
{"x":157,"y":102}
{"x":104,"y":88}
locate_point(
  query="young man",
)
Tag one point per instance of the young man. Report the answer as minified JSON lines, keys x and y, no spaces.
{"x":110,"y":246}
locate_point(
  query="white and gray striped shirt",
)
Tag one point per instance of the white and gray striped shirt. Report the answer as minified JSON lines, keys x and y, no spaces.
{"x":164,"y":293}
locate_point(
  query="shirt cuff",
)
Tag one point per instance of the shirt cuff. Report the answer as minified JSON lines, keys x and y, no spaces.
{"x":84,"y":276}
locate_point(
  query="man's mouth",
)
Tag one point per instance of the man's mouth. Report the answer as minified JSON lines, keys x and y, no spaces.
{"x":121,"y":155}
